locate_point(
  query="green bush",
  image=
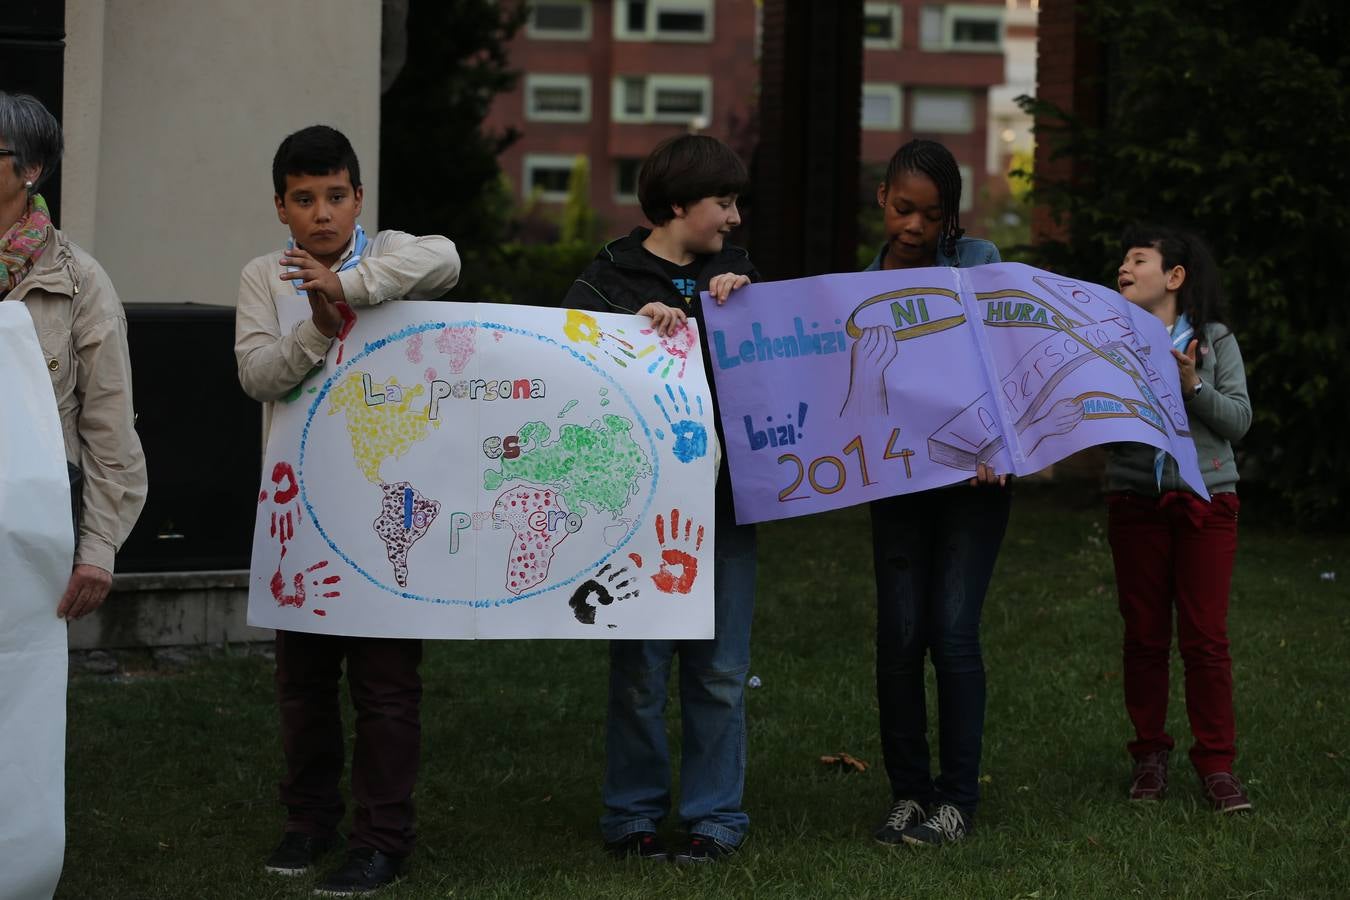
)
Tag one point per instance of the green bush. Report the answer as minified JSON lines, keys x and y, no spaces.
{"x":530,"y":274}
{"x":1232,"y":118}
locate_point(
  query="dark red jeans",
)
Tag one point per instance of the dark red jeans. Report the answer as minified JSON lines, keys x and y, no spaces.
{"x":1177,"y":552}
{"x":386,"y":691}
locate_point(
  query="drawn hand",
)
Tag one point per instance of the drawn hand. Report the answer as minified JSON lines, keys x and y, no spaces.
{"x":872,"y":353}
{"x":85,"y":592}
{"x":1186,"y":368}
{"x":1062,"y":417}
{"x":722,"y":285}
{"x":666,"y":581}
{"x":665,"y":319}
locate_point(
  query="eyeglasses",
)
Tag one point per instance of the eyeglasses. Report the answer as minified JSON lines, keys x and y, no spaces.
{"x":4,"y":152}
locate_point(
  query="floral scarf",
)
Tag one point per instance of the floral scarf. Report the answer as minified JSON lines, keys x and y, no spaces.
{"x":20,"y":246}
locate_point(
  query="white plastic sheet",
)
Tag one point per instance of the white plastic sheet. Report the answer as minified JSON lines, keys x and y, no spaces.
{"x":36,"y":550}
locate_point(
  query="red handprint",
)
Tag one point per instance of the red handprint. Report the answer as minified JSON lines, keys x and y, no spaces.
{"x":297,"y":597}
{"x":348,"y":322}
{"x":283,"y":523}
{"x":666,"y":581}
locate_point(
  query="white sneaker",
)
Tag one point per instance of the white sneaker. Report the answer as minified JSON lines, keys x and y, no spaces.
{"x":904,"y":814}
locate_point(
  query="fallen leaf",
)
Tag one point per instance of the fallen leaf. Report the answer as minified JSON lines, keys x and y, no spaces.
{"x":844,"y":761}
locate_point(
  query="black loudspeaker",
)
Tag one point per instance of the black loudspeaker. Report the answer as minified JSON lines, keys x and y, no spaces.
{"x":32,"y":61}
{"x":202,"y":437}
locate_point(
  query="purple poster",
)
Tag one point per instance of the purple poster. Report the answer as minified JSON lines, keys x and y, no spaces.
{"x":840,"y":389}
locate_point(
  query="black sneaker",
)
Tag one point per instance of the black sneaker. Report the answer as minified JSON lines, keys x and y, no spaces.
{"x":904,"y":814}
{"x":703,"y":849}
{"x":639,"y":844}
{"x":365,"y":871}
{"x":297,"y":852}
{"x":945,"y":825}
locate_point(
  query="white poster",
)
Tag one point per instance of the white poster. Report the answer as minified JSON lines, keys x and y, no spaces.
{"x":464,"y":470}
{"x":37,"y":546}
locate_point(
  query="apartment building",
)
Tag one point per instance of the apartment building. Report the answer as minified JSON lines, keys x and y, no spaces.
{"x":1009,"y":127}
{"x":608,"y":80}
{"x":928,"y":69}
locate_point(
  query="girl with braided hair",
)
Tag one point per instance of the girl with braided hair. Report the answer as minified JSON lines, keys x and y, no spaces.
{"x":933,"y":551}
{"x":921,"y":200}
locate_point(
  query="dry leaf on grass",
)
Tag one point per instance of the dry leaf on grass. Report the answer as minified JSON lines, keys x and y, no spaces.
{"x":844,"y":761}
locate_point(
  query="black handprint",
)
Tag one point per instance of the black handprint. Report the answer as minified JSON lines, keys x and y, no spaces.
{"x":605,"y":593}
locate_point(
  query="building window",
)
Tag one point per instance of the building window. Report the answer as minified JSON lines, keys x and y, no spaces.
{"x":663,"y":20}
{"x":683,"y":99}
{"x":963,"y":28}
{"x":967,"y":188}
{"x":881,"y":107}
{"x":947,"y":112}
{"x":626,"y":179}
{"x":881,"y":26}
{"x":560,"y":20}
{"x":548,"y":176}
{"x":558,"y":98}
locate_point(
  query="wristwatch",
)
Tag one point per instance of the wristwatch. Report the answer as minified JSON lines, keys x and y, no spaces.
{"x":1198,"y":386}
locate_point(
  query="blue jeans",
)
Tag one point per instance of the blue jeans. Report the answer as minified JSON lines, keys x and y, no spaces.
{"x":636,"y":792}
{"x":934,"y":553}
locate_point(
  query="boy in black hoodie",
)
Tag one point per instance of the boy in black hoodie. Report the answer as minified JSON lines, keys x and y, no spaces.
{"x":688,"y":188}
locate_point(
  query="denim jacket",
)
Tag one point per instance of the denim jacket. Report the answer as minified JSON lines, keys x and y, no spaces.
{"x":969,"y":252}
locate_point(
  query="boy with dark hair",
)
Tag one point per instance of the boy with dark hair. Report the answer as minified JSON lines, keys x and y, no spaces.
{"x":688,"y":188}
{"x":330,"y":260}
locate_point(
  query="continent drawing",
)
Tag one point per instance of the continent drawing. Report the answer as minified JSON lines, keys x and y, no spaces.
{"x":380,"y":430}
{"x":597,"y":465}
{"x":458,"y":345}
{"x":405,"y":517}
{"x":538,"y":525}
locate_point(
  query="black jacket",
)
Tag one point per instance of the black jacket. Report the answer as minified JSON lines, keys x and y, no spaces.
{"x":623,"y":278}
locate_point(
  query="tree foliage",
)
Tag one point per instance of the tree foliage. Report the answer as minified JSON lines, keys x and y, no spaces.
{"x":438,"y":168}
{"x":439,"y":172}
{"x":1232,"y":117}
{"x":578,"y":218}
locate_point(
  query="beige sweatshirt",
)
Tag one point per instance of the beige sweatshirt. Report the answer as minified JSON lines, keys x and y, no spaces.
{"x":395,"y":266}
{"x":82,"y":330}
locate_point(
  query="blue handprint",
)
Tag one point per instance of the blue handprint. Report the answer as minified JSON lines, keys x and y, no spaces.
{"x":691,"y":438}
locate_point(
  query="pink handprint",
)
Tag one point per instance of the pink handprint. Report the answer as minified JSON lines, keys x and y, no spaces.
{"x":675,"y":348}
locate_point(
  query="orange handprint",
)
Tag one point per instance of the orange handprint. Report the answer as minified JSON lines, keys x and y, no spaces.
{"x":666,"y":581}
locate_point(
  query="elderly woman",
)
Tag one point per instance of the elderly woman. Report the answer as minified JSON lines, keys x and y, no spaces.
{"x":83,"y":334}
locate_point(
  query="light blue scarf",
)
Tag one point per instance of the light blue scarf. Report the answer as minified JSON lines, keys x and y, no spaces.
{"x":359,"y":244}
{"x":1182,"y":332}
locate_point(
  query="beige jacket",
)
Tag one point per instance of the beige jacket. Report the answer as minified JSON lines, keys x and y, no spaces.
{"x":395,"y":266}
{"x":83,"y":333}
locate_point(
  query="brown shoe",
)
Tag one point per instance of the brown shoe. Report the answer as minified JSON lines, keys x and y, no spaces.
{"x":1224,"y":792}
{"x":1149,"y":779}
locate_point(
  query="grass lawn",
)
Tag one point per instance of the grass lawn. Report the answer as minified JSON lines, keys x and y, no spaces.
{"x":171,"y":777}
